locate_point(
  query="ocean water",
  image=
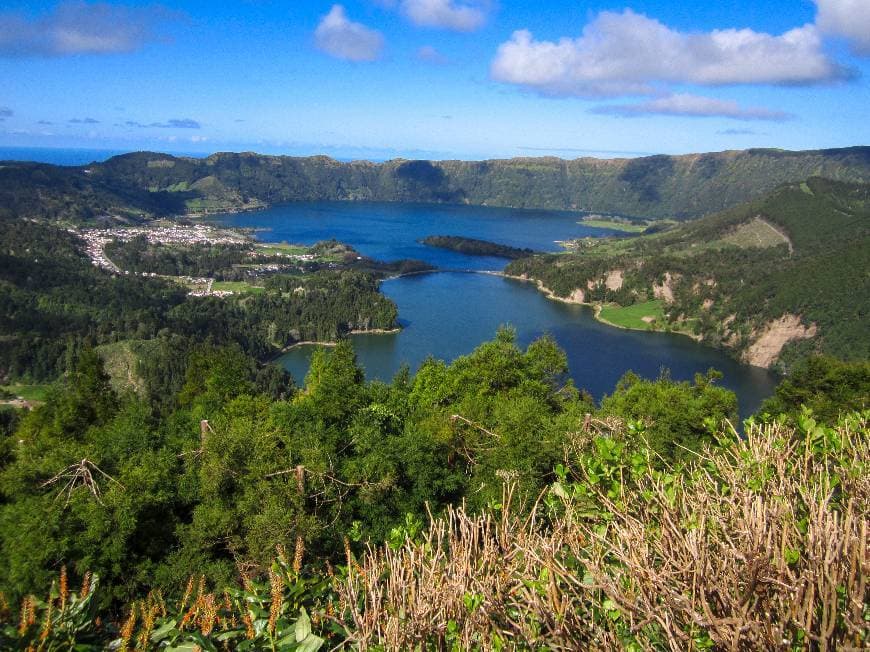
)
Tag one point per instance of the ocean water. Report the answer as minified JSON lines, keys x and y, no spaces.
{"x":58,"y":156}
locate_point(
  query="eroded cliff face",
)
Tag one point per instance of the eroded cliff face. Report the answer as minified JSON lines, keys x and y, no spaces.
{"x":768,"y":344}
{"x":665,"y":291}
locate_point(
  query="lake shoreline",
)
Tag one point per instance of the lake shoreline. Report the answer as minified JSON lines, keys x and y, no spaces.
{"x":596,"y":306}
{"x":332,"y":343}
{"x":547,"y":292}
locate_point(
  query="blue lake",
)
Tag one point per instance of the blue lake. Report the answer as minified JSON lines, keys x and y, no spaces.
{"x":448,"y":314}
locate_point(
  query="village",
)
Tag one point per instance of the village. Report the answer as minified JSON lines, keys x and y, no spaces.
{"x":95,"y":241}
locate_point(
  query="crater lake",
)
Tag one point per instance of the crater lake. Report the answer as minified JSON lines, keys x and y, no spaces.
{"x":448,"y":313}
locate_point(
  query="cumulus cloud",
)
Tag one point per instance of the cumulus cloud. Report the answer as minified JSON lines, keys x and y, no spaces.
{"x":5,"y":112}
{"x":695,"y":106}
{"x":445,"y":14}
{"x":81,"y":28}
{"x":342,"y":38}
{"x":849,"y":19}
{"x":429,"y":54}
{"x":83,"y":121}
{"x":629,"y":54}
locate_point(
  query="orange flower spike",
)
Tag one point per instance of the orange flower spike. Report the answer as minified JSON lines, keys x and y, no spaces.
{"x":208,"y":618}
{"x":86,"y":586}
{"x":277,"y":589}
{"x":46,"y":627}
{"x":249,"y":625}
{"x":187,"y":593}
{"x":26,"y":615}
{"x":127,"y":629}
{"x":64,"y":588}
{"x":298,"y":554}
{"x":282,"y":554}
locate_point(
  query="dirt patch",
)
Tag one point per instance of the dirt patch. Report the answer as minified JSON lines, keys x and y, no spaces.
{"x":614,"y":280}
{"x":765,"y":350}
{"x":665,"y":291}
{"x":648,"y":319}
{"x":18,"y":403}
{"x":708,"y":303}
{"x":577,"y":296}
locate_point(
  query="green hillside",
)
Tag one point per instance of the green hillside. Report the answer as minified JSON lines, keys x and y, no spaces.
{"x":772,"y":280}
{"x":55,"y":303}
{"x":148,"y":184}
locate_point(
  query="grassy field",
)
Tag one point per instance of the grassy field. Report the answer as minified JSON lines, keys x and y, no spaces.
{"x":633,"y":316}
{"x":282,"y":248}
{"x":755,"y":233}
{"x":28,"y":392}
{"x":616,"y":225}
{"x":238,"y":287}
{"x":121,"y":360}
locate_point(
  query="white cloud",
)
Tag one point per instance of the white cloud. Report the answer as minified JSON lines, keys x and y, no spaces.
{"x":344,"y":39}
{"x":628,"y":54}
{"x":445,"y":14}
{"x":81,"y":28}
{"x":429,"y":54}
{"x":737,"y":132}
{"x":847,"y":18}
{"x":684,"y":104}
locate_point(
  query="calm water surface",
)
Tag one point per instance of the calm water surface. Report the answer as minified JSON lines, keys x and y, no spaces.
{"x":448,"y":314}
{"x":393,"y":231}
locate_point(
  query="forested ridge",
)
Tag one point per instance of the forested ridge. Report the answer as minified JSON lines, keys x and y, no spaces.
{"x":796,"y":259}
{"x":145,"y":184}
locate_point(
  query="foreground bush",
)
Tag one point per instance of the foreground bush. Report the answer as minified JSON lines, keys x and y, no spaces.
{"x":757,"y":543}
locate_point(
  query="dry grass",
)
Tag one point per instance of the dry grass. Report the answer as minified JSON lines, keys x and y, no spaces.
{"x":760,"y":544}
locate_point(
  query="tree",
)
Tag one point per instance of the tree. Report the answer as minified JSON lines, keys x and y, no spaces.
{"x":826,"y":385}
{"x":676,"y":416}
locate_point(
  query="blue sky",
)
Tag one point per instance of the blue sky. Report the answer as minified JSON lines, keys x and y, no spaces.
{"x":436,"y":78}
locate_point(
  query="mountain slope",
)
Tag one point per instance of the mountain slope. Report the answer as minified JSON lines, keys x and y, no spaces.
{"x":772,"y":280}
{"x":148,"y":184}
